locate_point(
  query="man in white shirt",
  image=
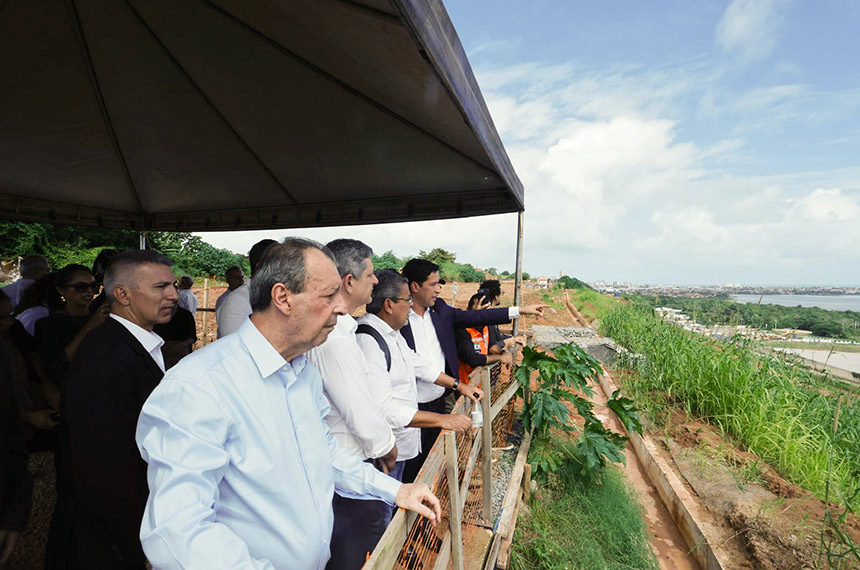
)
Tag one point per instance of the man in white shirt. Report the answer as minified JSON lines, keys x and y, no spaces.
{"x":430,"y":332}
{"x":355,"y":419}
{"x":32,"y":268}
{"x":116,"y":367}
{"x":235,"y":279}
{"x":187,"y":298}
{"x":393,"y":376}
{"x":237,"y":306}
{"x":242,"y":468}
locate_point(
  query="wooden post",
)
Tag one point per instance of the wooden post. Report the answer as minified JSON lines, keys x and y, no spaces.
{"x":518,"y":280}
{"x":455,"y":515}
{"x":142,"y":237}
{"x":205,"y":313}
{"x":530,"y":342}
{"x":487,"y":446}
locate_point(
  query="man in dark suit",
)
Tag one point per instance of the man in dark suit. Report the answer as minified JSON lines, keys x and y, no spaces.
{"x":114,"y":371}
{"x":430,"y":333}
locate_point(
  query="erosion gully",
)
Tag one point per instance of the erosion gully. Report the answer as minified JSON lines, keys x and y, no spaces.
{"x":667,"y":542}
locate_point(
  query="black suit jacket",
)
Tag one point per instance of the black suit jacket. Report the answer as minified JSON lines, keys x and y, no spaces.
{"x":109,"y":380}
{"x":445,"y":319}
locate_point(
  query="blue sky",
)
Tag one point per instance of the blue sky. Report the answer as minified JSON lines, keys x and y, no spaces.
{"x":663,"y":141}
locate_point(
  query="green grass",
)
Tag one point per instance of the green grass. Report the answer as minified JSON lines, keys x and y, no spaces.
{"x":779,"y":411}
{"x":598,"y":302}
{"x":574,"y":525}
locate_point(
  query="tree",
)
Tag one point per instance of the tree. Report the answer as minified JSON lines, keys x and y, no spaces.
{"x":565,"y":282}
{"x":438,"y":256}
{"x":506,"y":274}
{"x":526,"y":276}
{"x":386,"y":261}
{"x":492,"y":271}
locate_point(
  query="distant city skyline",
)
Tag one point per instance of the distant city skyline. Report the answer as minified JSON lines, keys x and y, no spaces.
{"x":661,"y":142}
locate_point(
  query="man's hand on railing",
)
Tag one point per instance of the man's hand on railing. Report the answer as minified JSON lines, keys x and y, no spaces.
{"x":456,"y":422}
{"x":418,"y":497}
{"x":520,"y":340}
{"x":470,"y":392}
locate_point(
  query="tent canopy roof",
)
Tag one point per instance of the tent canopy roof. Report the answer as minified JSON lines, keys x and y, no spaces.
{"x":240,"y":114}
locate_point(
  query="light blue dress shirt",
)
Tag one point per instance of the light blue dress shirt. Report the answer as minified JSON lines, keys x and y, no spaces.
{"x":242,"y":468}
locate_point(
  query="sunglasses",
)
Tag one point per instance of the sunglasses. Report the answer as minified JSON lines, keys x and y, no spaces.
{"x":82,"y":287}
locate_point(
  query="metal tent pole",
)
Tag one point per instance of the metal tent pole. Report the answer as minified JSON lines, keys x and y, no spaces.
{"x":518,"y":280}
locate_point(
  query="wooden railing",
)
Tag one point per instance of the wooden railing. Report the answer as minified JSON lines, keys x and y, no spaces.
{"x":410,"y":542}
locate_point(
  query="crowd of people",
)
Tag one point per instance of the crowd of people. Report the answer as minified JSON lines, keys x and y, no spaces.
{"x":286,"y":443}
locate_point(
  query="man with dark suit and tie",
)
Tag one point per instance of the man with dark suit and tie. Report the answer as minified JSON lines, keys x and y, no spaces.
{"x":430,"y":333}
{"x":112,"y":374}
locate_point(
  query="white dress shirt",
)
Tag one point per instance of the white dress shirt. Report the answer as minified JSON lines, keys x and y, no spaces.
{"x":233,"y":311}
{"x":151,"y":342}
{"x":355,"y":419}
{"x":30,"y":316}
{"x":188,"y":301}
{"x":242,"y":469}
{"x":394,"y":389}
{"x":427,"y":345}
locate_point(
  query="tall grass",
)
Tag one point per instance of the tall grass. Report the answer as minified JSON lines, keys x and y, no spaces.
{"x":778,"y":411}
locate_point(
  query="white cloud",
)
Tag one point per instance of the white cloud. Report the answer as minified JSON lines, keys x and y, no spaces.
{"x":749,"y":28}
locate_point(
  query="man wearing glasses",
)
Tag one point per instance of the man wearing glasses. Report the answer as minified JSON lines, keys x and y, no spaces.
{"x":394,"y":367}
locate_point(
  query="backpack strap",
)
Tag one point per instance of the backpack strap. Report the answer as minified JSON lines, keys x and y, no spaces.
{"x":365,"y":328}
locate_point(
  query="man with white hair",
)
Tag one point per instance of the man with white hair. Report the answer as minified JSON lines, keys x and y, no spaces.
{"x":242,"y":468}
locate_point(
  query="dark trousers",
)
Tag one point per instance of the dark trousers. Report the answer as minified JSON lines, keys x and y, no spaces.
{"x":358,"y":526}
{"x":428,"y":439}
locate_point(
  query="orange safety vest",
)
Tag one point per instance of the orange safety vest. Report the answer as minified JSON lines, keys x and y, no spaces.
{"x":481,"y":342}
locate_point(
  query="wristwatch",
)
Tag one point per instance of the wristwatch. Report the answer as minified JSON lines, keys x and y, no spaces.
{"x":456,"y":383}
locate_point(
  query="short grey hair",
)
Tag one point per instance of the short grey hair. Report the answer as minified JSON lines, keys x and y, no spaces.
{"x":389,"y":287}
{"x":350,"y":256}
{"x":31,"y":264}
{"x":122,"y":269}
{"x":282,"y":263}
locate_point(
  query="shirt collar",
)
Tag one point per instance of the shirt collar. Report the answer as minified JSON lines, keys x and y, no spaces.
{"x":264,"y":355}
{"x":380,"y":325}
{"x":347,"y":323}
{"x":148,"y":339}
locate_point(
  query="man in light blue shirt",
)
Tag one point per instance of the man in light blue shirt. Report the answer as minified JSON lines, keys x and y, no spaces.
{"x":242,"y":469}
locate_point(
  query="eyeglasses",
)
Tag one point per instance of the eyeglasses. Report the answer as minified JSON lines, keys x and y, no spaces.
{"x":81,"y":287}
{"x":407,"y":299}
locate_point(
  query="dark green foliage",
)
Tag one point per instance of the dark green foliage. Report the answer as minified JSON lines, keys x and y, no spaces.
{"x":438,"y":256}
{"x":526,"y":276}
{"x":62,"y":245}
{"x":560,"y":379}
{"x":723,"y":311}
{"x":387,"y":261}
{"x":565,"y":282}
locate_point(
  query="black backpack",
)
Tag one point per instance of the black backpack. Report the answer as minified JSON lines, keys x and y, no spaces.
{"x":364,"y":328}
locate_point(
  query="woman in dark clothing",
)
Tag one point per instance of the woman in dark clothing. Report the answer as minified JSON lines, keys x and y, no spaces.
{"x":58,"y":337}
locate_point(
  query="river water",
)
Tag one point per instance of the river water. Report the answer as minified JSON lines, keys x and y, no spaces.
{"x":828,"y":302}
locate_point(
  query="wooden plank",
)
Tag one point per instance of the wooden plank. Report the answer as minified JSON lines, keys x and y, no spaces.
{"x":443,"y":559}
{"x":390,"y":544}
{"x":487,"y":444}
{"x":471,"y":462}
{"x":505,"y":525}
{"x":493,"y":553}
{"x":502,"y":401}
{"x":455,"y":515}
{"x":504,"y":558}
